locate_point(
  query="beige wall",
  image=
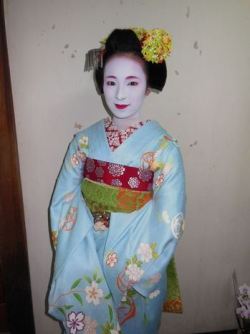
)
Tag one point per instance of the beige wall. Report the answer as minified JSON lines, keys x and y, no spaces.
{"x":205,"y":105}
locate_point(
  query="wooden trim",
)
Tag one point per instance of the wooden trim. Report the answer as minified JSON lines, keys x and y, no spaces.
{"x":13,"y":247}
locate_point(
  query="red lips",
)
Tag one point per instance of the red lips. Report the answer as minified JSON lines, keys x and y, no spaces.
{"x":121,"y":106}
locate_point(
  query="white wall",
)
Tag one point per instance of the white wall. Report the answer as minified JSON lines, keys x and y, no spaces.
{"x":205,"y":105}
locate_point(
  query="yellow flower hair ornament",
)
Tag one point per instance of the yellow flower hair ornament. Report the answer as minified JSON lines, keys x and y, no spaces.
{"x":156,"y":45}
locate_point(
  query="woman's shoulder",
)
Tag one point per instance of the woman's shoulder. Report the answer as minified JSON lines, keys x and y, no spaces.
{"x":166,"y":136}
{"x":90,"y":129}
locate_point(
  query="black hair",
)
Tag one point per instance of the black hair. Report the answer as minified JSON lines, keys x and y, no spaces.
{"x":122,"y":41}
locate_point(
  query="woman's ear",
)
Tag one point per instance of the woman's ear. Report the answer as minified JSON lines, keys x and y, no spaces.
{"x":148,"y":91}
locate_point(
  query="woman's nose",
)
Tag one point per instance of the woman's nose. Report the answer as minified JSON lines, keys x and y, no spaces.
{"x":120,"y":94}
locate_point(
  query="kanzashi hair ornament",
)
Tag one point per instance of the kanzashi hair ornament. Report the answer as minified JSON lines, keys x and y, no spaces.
{"x":93,"y":59}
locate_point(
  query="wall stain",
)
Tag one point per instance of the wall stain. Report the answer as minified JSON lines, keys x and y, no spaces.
{"x":66,"y":46}
{"x":188,"y":12}
{"x":77,"y":126}
{"x":73,"y":55}
{"x":179,"y":113}
{"x":176,"y":72}
{"x":53,"y":27}
{"x":196,"y":46}
{"x":194,"y":143}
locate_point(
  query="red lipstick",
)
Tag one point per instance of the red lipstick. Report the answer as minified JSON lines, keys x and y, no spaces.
{"x":121,"y":106}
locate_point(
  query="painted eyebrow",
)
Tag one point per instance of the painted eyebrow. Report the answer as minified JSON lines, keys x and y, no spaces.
{"x":129,"y":77}
{"x":132,"y":77}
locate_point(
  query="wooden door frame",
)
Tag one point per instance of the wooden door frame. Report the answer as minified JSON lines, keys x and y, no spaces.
{"x":14,"y":270}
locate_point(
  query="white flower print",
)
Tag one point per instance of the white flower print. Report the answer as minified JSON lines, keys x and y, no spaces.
{"x":90,"y":325}
{"x":100,"y":226}
{"x":245,"y":290}
{"x":116,"y":183}
{"x":116,"y":169}
{"x":165,"y":217}
{"x":144,"y":174}
{"x":159,"y":180}
{"x":133,"y":182}
{"x":115,"y":331}
{"x":69,"y":196}
{"x":154,"y":294}
{"x":111,"y":259}
{"x":144,"y":252}
{"x":90,"y":165}
{"x":74,"y":160}
{"x":155,"y":278}
{"x":93,"y":293}
{"x":113,"y":139}
{"x":177,"y":225}
{"x":83,"y":142}
{"x":133,"y":272}
{"x":81,"y":155}
{"x":167,"y":168}
{"x":75,"y":322}
{"x":99,"y":172}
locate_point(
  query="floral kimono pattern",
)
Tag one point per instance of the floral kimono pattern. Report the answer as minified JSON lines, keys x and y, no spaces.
{"x":112,"y":279}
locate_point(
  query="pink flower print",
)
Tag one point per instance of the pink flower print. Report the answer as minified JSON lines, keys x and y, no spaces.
{"x":90,"y":325}
{"x":81,"y":156}
{"x":144,"y":252}
{"x":159,"y":180}
{"x":68,"y":223}
{"x":93,"y":293}
{"x":116,"y":183}
{"x":113,"y":139}
{"x":90,"y":165}
{"x":155,"y":278}
{"x":144,"y":174}
{"x":133,"y":182}
{"x":74,"y":160}
{"x":99,"y":172}
{"x":69,"y":196}
{"x":75,"y":322}
{"x":100,"y":225}
{"x":111,"y":259}
{"x":116,"y":169}
{"x":134,"y":272}
{"x":124,"y":135}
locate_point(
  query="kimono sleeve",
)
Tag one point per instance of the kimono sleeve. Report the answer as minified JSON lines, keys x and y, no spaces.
{"x":67,"y":192}
{"x":167,"y":217}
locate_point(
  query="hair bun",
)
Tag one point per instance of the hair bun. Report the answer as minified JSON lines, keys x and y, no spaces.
{"x":122,"y":40}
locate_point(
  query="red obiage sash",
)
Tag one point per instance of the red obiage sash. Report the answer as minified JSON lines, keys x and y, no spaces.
{"x":118,"y":175}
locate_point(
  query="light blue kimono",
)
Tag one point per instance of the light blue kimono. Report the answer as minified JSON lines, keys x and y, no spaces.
{"x":114,"y":281}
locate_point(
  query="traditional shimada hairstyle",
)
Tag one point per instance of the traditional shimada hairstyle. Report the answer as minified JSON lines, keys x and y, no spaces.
{"x":150,"y":46}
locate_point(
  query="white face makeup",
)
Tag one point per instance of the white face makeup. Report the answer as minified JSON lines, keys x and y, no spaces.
{"x":124,"y":87}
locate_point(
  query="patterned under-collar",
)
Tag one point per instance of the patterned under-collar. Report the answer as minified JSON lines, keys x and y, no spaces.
{"x":116,"y":136}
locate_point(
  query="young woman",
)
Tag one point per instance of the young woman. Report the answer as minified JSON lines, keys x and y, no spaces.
{"x":117,"y":211}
